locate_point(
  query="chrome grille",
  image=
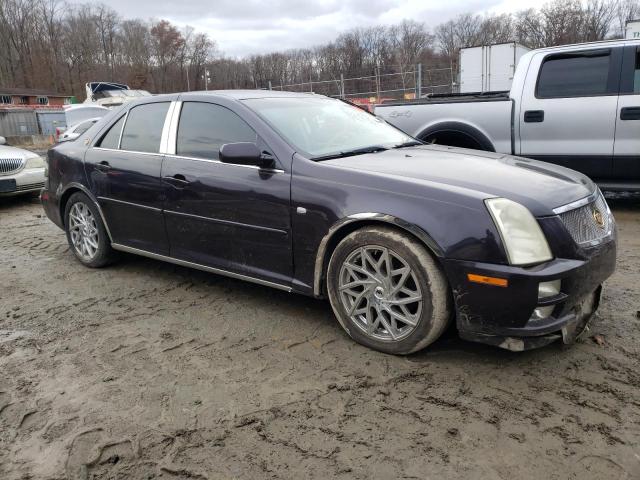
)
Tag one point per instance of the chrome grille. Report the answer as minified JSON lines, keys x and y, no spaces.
{"x":10,"y":165}
{"x":583,"y":222}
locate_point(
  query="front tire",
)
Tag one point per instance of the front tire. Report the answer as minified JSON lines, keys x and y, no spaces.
{"x":387,"y":291}
{"x":86,"y":233}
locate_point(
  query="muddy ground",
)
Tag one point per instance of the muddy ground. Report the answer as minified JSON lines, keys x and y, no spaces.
{"x":146,"y":370}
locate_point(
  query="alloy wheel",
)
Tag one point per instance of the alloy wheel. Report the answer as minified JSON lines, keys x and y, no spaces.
{"x":380,"y":293}
{"x":84,"y":231}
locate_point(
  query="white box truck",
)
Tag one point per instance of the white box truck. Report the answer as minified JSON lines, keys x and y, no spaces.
{"x":489,"y":68}
{"x":633,"y":30}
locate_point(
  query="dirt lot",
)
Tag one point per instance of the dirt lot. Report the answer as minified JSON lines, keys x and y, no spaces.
{"x":148,"y":370}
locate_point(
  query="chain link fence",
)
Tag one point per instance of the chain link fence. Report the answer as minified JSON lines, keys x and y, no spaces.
{"x":380,"y":87}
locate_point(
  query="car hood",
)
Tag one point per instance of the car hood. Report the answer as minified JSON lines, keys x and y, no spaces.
{"x":14,"y":152}
{"x":539,"y":186}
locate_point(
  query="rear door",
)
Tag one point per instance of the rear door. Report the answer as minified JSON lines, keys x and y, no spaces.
{"x":568,"y":109}
{"x":626,"y":152}
{"x":124,"y":173}
{"x":232,"y":217}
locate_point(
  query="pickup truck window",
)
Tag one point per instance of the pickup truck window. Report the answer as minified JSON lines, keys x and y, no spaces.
{"x":580,"y":74}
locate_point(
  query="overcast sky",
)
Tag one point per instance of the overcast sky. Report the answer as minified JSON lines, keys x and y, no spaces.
{"x":244,"y":27}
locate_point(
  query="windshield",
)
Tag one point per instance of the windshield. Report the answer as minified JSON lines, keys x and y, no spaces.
{"x":321,"y":126}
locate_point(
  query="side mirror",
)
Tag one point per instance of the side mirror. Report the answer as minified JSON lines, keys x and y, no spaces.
{"x":3,"y":141}
{"x":244,"y":153}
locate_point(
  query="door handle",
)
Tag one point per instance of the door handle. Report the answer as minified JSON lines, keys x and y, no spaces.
{"x":534,"y":116}
{"x":103,"y":166}
{"x":630,"y":113}
{"x":177,"y":180}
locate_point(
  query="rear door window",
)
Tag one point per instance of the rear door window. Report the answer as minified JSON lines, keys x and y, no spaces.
{"x":112,"y":137}
{"x":205,"y":127}
{"x":143,"y":129}
{"x":83,"y":127}
{"x":580,"y":74}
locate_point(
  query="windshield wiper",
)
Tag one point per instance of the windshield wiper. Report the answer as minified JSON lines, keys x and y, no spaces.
{"x":412,"y":143}
{"x":350,"y":153}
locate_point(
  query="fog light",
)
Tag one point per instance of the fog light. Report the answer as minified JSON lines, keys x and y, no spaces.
{"x":546,"y":290}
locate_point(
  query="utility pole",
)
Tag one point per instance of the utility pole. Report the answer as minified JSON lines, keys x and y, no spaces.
{"x":419,"y":82}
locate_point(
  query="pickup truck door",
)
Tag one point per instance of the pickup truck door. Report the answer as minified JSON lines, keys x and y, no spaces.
{"x":568,"y":109}
{"x":626,"y":151}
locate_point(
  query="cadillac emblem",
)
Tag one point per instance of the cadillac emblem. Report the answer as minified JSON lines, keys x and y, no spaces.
{"x":598,"y":217}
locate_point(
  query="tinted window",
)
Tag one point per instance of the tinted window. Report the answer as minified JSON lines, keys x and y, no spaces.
{"x":205,"y":127}
{"x":143,"y":129}
{"x":110,"y":140}
{"x":574,"y":76}
{"x":83,"y":127}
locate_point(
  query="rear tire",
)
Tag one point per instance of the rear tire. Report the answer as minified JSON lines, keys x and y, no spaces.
{"x":387,"y":291}
{"x":86,"y":233}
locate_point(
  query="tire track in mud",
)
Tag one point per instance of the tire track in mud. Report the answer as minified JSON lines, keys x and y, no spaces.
{"x":151,"y":370}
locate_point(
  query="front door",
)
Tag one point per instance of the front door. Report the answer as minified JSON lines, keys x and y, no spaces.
{"x":232,"y":217}
{"x":124,"y":174}
{"x":568,"y":109}
{"x":626,"y":152}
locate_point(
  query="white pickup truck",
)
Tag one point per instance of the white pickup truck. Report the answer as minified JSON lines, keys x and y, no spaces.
{"x":574,"y":105}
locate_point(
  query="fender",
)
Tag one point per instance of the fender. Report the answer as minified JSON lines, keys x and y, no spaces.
{"x":460,"y":128}
{"x":366,"y":217}
{"x":85,"y":190}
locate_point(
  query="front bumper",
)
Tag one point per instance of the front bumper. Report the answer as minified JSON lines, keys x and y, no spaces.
{"x":25,"y":181}
{"x":502,"y":316}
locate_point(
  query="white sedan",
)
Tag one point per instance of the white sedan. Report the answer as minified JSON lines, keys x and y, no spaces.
{"x":21,"y":171}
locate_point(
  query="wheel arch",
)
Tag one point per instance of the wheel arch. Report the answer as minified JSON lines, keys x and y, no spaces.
{"x":461,"y":129}
{"x":77,"y":187}
{"x":350,"y":224}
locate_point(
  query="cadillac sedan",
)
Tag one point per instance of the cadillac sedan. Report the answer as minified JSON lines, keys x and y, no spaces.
{"x":315,"y":196}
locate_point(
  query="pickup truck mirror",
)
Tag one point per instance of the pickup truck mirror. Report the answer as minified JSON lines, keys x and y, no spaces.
{"x":245,"y":153}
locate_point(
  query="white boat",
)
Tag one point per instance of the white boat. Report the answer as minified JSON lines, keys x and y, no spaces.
{"x":109,"y":94}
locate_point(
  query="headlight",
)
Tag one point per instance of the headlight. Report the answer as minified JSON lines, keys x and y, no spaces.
{"x":35,"y":162}
{"x":521,"y":235}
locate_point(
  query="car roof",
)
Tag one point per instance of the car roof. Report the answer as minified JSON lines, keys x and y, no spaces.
{"x":232,"y":95}
{"x":246,"y":94}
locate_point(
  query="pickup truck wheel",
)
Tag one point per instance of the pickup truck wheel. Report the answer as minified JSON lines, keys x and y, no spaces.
{"x":387,"y":291}
{"x":86,"y":233}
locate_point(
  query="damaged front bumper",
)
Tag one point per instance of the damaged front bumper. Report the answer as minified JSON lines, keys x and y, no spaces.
{"x":504,"y":316}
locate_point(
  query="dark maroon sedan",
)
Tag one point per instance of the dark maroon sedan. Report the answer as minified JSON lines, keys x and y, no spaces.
{"x":310,"y":194}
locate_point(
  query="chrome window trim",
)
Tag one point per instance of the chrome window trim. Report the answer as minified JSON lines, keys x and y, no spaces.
{"x":172,"y":137}
{"x":126,"y":117}
{"x":578,"y":203}
{"x":166,"y":128}
{"x":255,"y":167}
{"x":108,"y":199}
{"x":228,"y":222}
{"x":198,"y":266}
{"x":128,"y":151}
